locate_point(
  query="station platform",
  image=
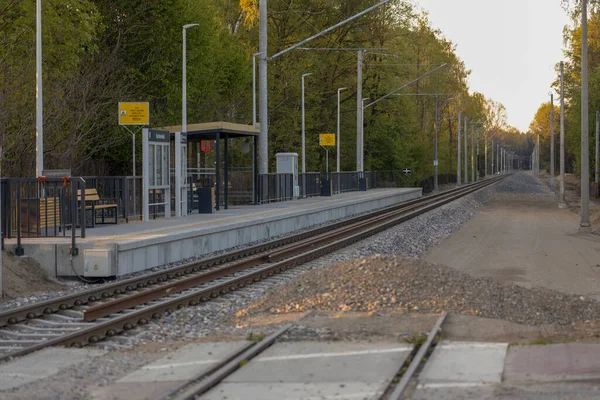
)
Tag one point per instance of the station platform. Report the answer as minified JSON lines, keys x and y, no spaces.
{"x":138,"y":246}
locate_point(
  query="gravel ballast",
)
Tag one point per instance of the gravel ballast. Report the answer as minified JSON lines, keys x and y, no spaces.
{"x":409,"y":285}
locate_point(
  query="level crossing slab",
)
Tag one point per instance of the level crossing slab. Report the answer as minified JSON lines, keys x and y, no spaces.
{"x":315,"y":370}
{"x":138,"y":246}
{"x":157,"y":378}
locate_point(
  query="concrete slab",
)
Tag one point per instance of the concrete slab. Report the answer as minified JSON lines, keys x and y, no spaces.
{"x":486,"y":392}
{"x":41,"y":365}
{"x":306,"y":370}
{"x":464,"y":364}
{"x":293,"y":391}
{"x":553,"y":362}
{"x":137,"y":246}
{"x":155,"y":379}
{"x":184,"y":363}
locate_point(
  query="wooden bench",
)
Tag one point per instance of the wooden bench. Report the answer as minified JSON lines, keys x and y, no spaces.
{"x":92,"y":196}
{"x":49,"y":212}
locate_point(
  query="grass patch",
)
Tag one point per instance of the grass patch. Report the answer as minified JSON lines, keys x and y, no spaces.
{"x":255,"y":337}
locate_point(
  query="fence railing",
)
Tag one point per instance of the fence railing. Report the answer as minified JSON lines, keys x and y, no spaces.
{"x":275,"y":187}
{"x":310,"y":184}
{"x":125,"y":190}
{"x":42,"y":209}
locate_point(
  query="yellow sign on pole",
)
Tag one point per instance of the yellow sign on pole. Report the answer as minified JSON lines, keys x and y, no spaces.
{"x":327,"y":139}
{"x":134,"y":113}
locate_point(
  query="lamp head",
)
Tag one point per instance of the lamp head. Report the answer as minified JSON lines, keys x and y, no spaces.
{"x":189,"y":26}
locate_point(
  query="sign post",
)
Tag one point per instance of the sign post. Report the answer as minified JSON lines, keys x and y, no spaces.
{"x":134,"y":114}
{"x":327,"y":140}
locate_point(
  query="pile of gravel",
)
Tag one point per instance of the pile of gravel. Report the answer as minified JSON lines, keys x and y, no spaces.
{"x":408,"y":285}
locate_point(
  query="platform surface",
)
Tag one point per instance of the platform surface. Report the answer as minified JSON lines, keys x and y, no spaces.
{"x":138,"y":246}
{"x":160,"y":227}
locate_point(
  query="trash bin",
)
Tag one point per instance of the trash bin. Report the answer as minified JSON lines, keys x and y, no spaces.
{"x":205,"y":201}
{"x":326,"y":189}
{"x":362,"y":184}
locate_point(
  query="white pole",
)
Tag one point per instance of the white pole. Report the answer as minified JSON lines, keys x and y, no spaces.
{"x":359,"y":112}
{"x":552,"y":142}
{"x":492,"y":148}
{"x":485,"y":150}
{"x":303,"y":128}
{"x":184,"y":86}
{"x":184,"y":81}
{"x":263,"y":139}
{"x":584,"y":224}
{"x":472,"y":154}
{"x":466,"y":140}
{"x":561,"y":198}
{"x":340,"y":90}
{"x":254,"y":90}
{"x":458,"y":171}
{"x":39,"y":125}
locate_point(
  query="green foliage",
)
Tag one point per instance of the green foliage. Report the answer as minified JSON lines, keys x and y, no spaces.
{"x":100,"y":52}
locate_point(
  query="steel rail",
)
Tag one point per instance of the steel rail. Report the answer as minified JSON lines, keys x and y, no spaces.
{"x":116,"y":305}
{"x":127,"y":321}
{"x":16,"y":315}
{"x":416,"y":362}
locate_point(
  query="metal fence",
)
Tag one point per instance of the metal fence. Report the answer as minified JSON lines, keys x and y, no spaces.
{"x":275,"y":187}
{"x":345,"y":181}
{"x":310,"y":184}
{"x":42,"y":209}
{"x":126,"y":191}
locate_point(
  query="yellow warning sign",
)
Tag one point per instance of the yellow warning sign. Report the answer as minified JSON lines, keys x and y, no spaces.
{"x":134,"y":113}
{"x":327,"y":139}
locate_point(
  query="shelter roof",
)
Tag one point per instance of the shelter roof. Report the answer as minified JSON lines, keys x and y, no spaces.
{"x":208,"y":130}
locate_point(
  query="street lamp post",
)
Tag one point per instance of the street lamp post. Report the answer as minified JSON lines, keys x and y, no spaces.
{"x":184,"y":81}
{"x":178,"y":211}
{"x":303,"y":137}
{"x":340,"y":90}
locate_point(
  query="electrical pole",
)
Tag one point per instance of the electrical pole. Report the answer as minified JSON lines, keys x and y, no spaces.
{"x":263,"y":139}
{"x":561,"y":198}
{"x":466,"y":139}
{"x":584,"y":225}
{"x":435,"y":149}
{"x":597,"y":147}
{"x":492,"y":147}
{"x":39,"y":119}
{"x":472,"y":154}
{"x":458,"y":171}
{"x":359,"y":113}
{"x":485,"y":151}
{"x":552,"y":142}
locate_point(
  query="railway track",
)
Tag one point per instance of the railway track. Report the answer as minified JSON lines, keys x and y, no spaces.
{"x":93,"y":315}
{"x":207,"y":380}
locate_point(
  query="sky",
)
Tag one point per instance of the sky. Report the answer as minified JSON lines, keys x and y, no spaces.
{"x":511,"y":47}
